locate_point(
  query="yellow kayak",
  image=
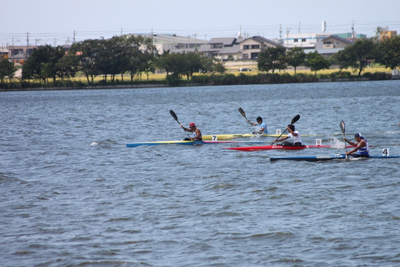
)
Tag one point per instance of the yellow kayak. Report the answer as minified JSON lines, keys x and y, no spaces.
{"x":233,"y":136}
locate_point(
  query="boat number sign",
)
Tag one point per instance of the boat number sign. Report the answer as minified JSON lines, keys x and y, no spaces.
{"x":385,"y":152}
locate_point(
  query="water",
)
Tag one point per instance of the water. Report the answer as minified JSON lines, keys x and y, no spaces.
{"x":72,"y":194}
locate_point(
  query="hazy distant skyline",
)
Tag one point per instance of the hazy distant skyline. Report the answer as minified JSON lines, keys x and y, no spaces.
{"x":55,"y":22}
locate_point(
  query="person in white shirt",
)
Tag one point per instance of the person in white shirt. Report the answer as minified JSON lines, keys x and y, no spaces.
{"x":295,"y":135}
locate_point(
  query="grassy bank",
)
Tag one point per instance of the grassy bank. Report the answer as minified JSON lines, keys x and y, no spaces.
{"x":231,"y":77}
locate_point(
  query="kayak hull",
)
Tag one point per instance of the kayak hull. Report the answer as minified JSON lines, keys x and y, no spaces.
{"x":329,"y":157}
{"x":233,"y":136}
{"x":185,"y":142}
{"x":270,"y":147}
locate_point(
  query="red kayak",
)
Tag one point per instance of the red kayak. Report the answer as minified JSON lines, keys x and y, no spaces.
{"x":254,"y":148}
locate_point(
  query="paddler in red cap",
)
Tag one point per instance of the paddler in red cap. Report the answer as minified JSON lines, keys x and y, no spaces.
{"x":193,"y":129}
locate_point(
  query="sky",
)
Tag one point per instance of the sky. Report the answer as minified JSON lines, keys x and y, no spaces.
{"x":57,"y":22}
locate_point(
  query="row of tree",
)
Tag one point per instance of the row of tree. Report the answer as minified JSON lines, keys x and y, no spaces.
{"x":136,"y":55}
{"x":119,"y":55}
{"x":357,"y":55}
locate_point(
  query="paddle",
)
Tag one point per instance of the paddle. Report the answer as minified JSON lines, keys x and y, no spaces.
{"x":296,"y":118}
{"x":176,"y":118}
{"x":343,"y":128}
{"x":244,"y":115}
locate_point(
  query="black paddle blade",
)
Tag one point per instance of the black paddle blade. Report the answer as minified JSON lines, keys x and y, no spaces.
{"x":296,"y":118}
{"x":173,"y":114}
{"x":242,"y":112}
{"x":342,"y":126}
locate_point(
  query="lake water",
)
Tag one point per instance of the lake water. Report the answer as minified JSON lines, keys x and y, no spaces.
{"x":72,"y":193}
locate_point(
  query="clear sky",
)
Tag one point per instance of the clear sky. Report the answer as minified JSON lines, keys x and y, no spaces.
{"x":55,"y":21}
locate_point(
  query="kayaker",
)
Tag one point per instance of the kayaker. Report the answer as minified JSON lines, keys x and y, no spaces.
{"x":262,"y":126}
{"x":193,"y":129}
{"x":361,"y":146}
{"x":295,"y":135}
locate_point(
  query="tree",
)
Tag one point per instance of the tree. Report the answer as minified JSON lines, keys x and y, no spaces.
{"x":134,"y":54}
{"x":192,"y":63}
{"x":389,"y":52}
{"x":295,"y":57}
{"x":220,"y":68}
{"x":7,"y":69}
{"x":316,"y":62}
{"x":87,"y":53}
{"x":42,"y":63}
{"x":357,"y":55}
{"x":272,"y":58}
{"x":67,"y":66}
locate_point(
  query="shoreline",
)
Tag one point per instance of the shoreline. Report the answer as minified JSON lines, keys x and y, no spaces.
{"x":140,"y":86}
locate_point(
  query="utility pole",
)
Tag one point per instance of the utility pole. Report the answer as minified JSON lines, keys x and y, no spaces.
{"x":73,"y":37}
{"x":352,"y":29}
{"x":299,"y":26}
{"x":287,"y":38}
{"x":12,"y":50}
{"x":280,"y":33}
{"x":27,"y":44}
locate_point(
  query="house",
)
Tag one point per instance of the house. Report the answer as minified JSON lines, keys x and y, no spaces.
{"x":307,"y":41}
{"x":3,"y":52}
{"x":222,"y":48}
{"x":236,"y":48}
{"x":325,"y":43}
{"x":251,"y":47}
{"x":19,"y":54}
{"x":175,"y":43}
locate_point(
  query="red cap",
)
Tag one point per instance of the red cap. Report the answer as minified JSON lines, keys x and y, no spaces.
{"x":192,"y":124}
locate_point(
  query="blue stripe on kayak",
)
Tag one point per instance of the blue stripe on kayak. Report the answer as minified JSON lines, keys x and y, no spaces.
{"x":328,"y":157}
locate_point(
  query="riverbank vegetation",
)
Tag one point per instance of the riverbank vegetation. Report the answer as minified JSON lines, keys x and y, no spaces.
{"x":134,"y":61}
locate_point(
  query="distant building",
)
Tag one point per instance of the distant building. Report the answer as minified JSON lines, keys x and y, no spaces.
{"x":388,"y":34}
{"x":349,"y":36}
{"x":175,"y":43}
{"x":3,"y":52}
{"x":326,"y":44}
{"x":305,"y":40}
{"x":19,"y":54}
{"x":251,"y":47}
{"x":236,"y":48}
{"x":222,"y":48}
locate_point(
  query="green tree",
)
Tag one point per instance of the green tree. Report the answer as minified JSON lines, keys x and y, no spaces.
{"x":357,"y":55}
{"x":295,"y":57}
{"x":134,"y":53}
{"x":316,"y":62}
{"x":67,"y":66}
{"x":219,"y":67}
{"x":272,"y":58}
{"x":389,"y":52}
{"x":7,"y":69}
{"x":207,"y":64}
{"x":42,"y":63}
{"x":87,"y":53}
{"x":192,"y":63}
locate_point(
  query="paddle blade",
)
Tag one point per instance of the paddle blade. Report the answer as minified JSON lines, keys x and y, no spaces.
{"x":173,"y":114}
{"x":242,"y":112}
{"x":342,"y":127}
{"x":296,"y":118}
